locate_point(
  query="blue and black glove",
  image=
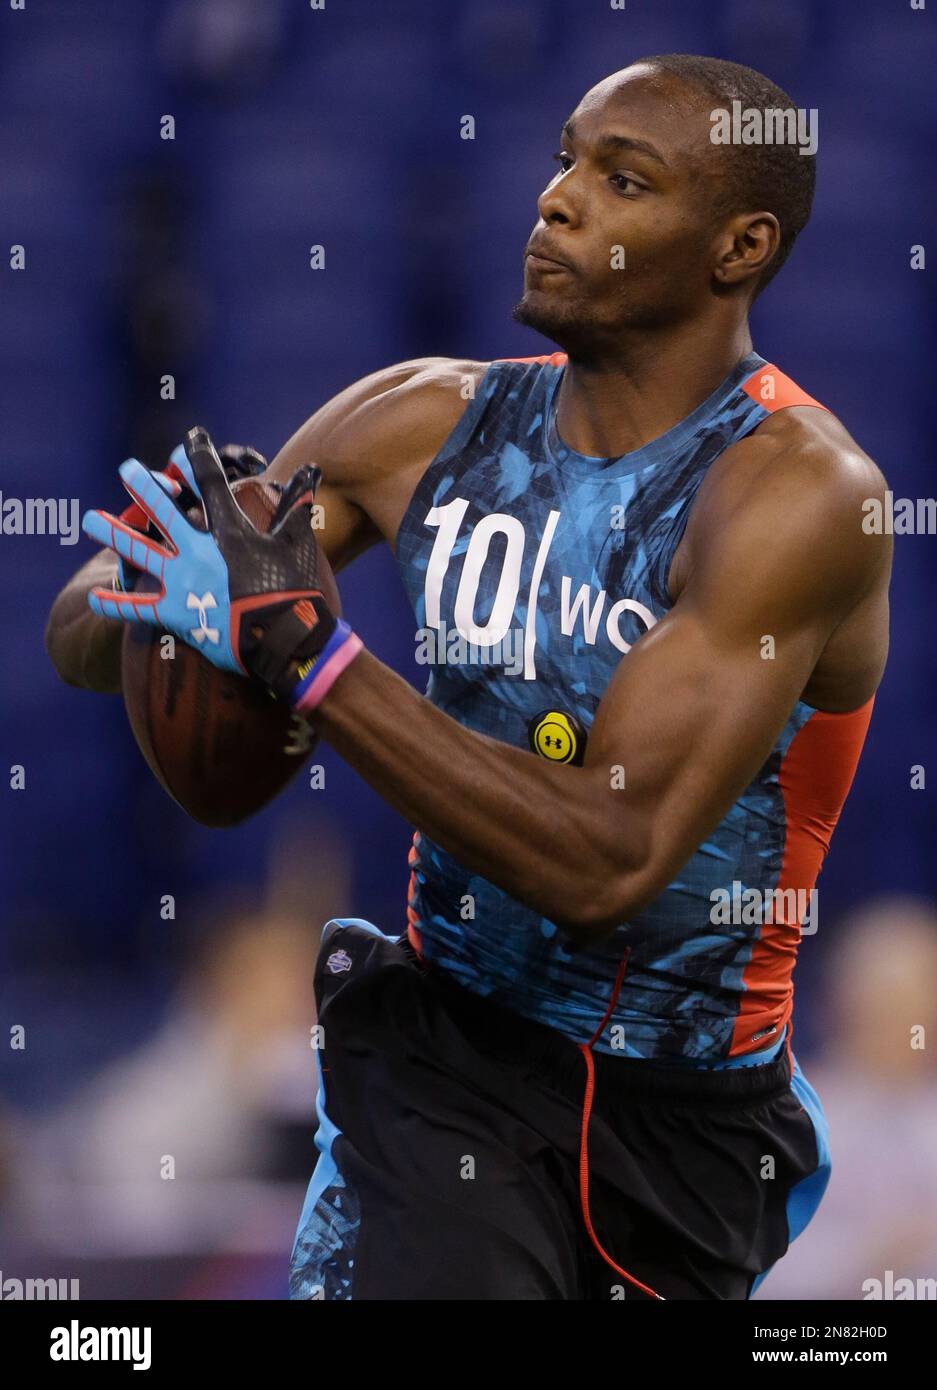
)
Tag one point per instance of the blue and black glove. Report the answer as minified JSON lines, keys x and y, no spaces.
{"x":249,"y":601}
{"x":178,"y":480}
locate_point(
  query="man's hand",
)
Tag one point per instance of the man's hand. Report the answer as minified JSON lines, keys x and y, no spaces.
{"x":178,"y":481}
{"x":375,"y":438}
{"x":268,"y":614}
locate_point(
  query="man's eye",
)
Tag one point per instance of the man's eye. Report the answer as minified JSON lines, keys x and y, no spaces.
{"x":564,"y":160}
{"x":619,"y":180}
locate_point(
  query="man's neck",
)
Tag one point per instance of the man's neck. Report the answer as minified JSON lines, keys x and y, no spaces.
{"x":611,"y":407}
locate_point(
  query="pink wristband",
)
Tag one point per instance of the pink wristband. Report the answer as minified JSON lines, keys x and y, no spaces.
{"x":329,"y":672}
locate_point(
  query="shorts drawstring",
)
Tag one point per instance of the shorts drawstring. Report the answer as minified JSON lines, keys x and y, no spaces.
{"x":586,"y":1050}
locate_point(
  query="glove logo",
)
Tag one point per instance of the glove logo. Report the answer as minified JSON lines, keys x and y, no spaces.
{"x":338,"y":963}
{"x":306,"y":614}
{"x":203,"y":633}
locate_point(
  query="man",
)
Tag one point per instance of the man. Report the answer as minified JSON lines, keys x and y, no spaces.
{"x":573,"y":1077}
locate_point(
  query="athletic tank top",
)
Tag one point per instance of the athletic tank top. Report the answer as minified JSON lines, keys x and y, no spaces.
{"x":532,"y":570}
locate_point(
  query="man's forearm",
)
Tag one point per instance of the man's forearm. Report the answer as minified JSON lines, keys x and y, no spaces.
{"x":85,"y":649}
{"x":537,"y":830}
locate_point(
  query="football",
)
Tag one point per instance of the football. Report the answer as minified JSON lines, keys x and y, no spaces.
{"x":218,"y":742}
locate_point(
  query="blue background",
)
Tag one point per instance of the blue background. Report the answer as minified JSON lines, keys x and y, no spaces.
{"x":341,"y":127}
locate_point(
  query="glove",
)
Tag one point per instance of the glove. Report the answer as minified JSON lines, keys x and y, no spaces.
{"x":250,"y":602}
{"x":178,"y":480}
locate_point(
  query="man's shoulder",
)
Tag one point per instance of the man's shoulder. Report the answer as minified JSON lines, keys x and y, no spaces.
{"x":429,"y":378}
{"x":814,"y":442}
{"x":384,"y":423}
{"x":797,"y":488}
{"x":801,"y":461}
{"x":400,"y":413}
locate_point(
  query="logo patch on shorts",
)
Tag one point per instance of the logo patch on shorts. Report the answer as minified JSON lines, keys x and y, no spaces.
{"x":338,"y":963}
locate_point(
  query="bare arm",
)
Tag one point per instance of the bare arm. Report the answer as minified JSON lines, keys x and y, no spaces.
{"x":690,"y":715}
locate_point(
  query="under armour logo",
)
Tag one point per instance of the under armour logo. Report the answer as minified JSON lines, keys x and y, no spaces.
{"x":305,"y":612}
{"x":203,"y":632}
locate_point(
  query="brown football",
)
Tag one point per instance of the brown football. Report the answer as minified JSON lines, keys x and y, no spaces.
{"x":219,"y":744}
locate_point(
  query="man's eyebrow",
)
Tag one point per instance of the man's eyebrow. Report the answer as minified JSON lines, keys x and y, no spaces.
{"x":621,"y":142}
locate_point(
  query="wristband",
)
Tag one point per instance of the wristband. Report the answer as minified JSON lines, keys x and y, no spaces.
{"x":318,"y":675}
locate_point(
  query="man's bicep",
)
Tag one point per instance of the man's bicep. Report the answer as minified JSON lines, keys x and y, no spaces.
{"x":343,"y":530}
{"x":359,"y":439}
{"x":696,"y":707}
{"x":684,"y":727}
{"x":336,"y":439}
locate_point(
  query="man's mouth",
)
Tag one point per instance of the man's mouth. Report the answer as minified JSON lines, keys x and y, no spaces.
{"x":542,"y":262}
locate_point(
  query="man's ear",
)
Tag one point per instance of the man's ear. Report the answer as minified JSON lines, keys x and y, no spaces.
{"x":745,"y":246}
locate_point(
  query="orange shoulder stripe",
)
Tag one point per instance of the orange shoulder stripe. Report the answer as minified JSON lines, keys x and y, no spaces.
{"x":769,"y":387}
{"x":556,"y":359}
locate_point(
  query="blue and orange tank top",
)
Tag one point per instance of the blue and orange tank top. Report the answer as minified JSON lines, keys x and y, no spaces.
{"x":532,"y":570}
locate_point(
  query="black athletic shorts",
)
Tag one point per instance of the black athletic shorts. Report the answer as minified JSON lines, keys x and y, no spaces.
{"x":450,"y":1152}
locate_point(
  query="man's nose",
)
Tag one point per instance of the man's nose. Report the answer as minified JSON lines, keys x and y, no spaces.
{"x":559,"y":201}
